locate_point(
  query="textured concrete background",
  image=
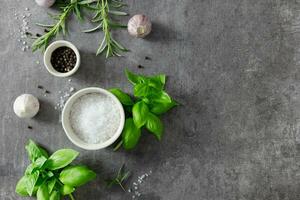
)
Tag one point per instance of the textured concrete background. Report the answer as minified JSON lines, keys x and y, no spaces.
{"x":234,"y":65}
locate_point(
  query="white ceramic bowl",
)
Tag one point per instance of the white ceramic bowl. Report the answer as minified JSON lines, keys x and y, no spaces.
{"x":49,"y":51}
{"x":68,"y":129}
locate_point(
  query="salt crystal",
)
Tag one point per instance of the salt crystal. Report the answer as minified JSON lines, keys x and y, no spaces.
{"x":72,"y":89}
{"x":95,"y":118}
{"x":26,"y":9}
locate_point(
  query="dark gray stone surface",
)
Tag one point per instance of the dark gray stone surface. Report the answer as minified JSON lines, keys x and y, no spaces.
{"x":234,"y":66}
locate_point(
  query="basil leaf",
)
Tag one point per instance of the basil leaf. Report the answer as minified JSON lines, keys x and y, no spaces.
{"x":155,"y":126}
{"x":161,"y":108}
{"x":130,"y":135}
{"x":31,"y":180}
{"x":140,"y":111}
{"x":37,"y":164}
{"x":133,"y":78}
{"x":42,"y":193}
{"x":160,"y":97}
{"x":51,"y":183}
{"x":61,"y":158}
{"x":144,"y":90}
{"x":157,"y":82}
{"x":54,"y":195}
{"x":66,"y":189}
{"x":124,"y":98}
{"x":34,"y":151}
{"x":21,"y":187}
{"x":76,"y":175}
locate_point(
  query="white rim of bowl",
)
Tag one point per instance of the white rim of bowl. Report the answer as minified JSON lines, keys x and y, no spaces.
{"x":69,"y":131}
{"x":47,"y":58}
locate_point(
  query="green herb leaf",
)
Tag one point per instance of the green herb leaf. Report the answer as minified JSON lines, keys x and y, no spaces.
{"x":59,"y":26}
{"x":102,"y":15}
{"x":119,"y":13}
{"x":161,"y":103}
{"x":54,"y":195}
{"x":144,"y":90}
{"x":133,"y":78}
{"x":157,"y":82}
{"x":140,"y":112}
{"x":51,"y":183}
{"x":21,"y":187}
{"x":34,"y":151}
{"x":76,"y":175}
{"x":31,"y":180}
{"x":119,"y":179}
{"x":124,"y":98}
{"x":154,"y":125}
{"x":42,"y":193}
{"x":37,"y":164}
{"x":61,"y":158}
{"x":67,"y":189}
{"x":162,"y":107}
{"x":130,"y":135}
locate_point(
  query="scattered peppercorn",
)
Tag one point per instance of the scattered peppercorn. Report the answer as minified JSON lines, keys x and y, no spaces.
{"x":47,"y":91}
{"x":147,"y":58}
{"x":28,"y":33}
{"x":46,"y":30}
{"x":40,"y":87}
{"x":140,"y":66}
{"x":63,"y":59}
{"x":38,"y":35}
{"x":29,"y":127}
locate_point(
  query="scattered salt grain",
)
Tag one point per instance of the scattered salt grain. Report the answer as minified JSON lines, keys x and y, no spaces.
{"x":72,"y":89}
{"x":95,"y":118}
{"x":137,"y":183}
{"x":23,"y":27}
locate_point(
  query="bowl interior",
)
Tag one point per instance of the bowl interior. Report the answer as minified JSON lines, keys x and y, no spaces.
{"x":47,"y":57}
{"x":70,"y":132}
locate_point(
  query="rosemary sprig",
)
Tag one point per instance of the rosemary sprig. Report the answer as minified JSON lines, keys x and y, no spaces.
{"x":119,"y":179}
{"x":103,"y":17}
{"x":69,"y":7}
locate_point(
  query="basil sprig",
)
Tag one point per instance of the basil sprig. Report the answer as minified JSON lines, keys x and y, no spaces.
{"x":144,"y":110}
{"x":51,"y":178}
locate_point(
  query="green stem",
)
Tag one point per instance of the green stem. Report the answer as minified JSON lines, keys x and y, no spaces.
{"x":121,"y":185}
{"x":117,"y":147}
{"x":71,"y":197}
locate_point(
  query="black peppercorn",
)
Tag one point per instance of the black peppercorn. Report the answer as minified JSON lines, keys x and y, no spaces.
{"x":63,"y":59}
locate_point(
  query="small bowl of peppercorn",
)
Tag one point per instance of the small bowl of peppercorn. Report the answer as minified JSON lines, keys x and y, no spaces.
{"x":62,"y":58}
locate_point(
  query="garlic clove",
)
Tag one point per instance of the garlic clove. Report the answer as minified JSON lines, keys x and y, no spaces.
{"x":26,"y":106}
{"x":45,"y":3}
{"x":139,"y":26}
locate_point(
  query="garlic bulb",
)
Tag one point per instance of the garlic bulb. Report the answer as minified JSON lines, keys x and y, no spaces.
{"x":45,"y":3}
{"x":139,"y":26}
{"x":26,"y":106}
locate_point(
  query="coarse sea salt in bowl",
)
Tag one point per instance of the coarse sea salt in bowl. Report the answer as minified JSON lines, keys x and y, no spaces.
{"x":93,"y":118}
